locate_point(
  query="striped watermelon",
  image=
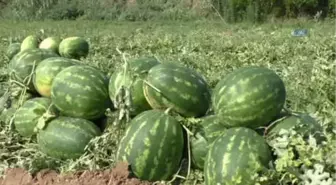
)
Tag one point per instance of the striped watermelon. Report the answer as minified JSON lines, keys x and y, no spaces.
{"x":213,"y":127}
{"x":66,"y":137}
{"x":13,"y":49}
{"x":22,"y":64}
{"x":30,"y":42}
{"x":249,"y":96}
{"x":74,"y":47}
{"x":138,"y":69}
{"x":81,"y":91}
{"x":27,"y":116}
{"x":51,"y":43}
{"x":46,"y":71}
{"x":153,"y":145}
{"x":235,"y":157}
{"x":177,"y":87}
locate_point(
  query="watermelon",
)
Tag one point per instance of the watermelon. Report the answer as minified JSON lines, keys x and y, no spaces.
{"x":30,"y":42}
{"x":152,"y":145}
{"x":132,"y":78}
{"x":51,"y":43}
{"x":66,"y":137}
{"x":74,"y":47}
{"x":81,"y":91}
{"x":27,"y":116}
{"x":213,"y":127}
{"x":13,"y":49}
{"x":22,"y":64}
{"x":179,"y":88}
{"x":300,"y":122}
{"x":235,"y":157}
{"x":250,"y":97}
{"x":47,"y":70}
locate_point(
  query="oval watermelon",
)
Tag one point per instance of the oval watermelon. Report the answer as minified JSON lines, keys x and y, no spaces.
{"x":13,"y":49}
{"x":27,"y":116}
{"x":250,"y":96}
{"x":22,"y":64}
{"x":30,"y":42}
{"x":132,"y":78}
{"x":74,"y":47}
{"x":66,"y":137}
{"x":81,"y":91}
{"x":47,"y":70}
{"x":51,"y":43}
{"x":153,"y":145}
{"x":235,"y":157}
{"x":182,"y":89}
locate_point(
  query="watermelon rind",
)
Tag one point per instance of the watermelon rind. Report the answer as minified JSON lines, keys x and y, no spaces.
{"x":249,"y":96}
{"x":74,"y":47}
{"x":153,"y":145}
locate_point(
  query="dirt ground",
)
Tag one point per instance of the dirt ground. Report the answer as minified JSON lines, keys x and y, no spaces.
{"x":116,"y":176}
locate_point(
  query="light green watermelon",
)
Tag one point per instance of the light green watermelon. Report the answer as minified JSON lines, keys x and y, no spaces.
{"x":30,"y":42}
{"x":51,"y":43}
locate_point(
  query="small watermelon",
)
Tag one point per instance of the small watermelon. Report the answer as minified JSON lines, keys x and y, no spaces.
{"x":30,"y":42}
{"x":51,"y":43}
{"x":174,"y":86}
{"x":153,"y":145}
{"x":250,"y":97}
{"x":47,"y":70}
{"x":27,"y":116}
{"x":81,"y":91}
{"x":132,"y":78}
{"x":22,"y":64}
{"x":13,"y":49}
{"x":74,"y":47}
{"x":66,"y":137}
{"x":235,"y":157}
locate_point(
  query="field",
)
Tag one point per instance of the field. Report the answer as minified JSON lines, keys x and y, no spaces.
{"x":306,"y":65}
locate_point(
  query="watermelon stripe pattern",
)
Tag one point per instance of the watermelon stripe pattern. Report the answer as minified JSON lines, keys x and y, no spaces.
{"x":81,"y":91}
{"x":66,"y":137}
{"x":153,"y":145}
{"x":212,"y":127}
{"x":74,"y":47}
{"x":235,"y":156}
{"x":249,"y":96}
{"x":27,"y":116}
{"x":179,"y":88}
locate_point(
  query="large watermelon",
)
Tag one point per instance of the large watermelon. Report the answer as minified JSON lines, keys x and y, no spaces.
{"x":132,"y":78}
{"x":66,"y":137}
{"x":30,"y":42}
{"x":27,"y":116}
{"x":22,"y":64}
{"x":177,"y":87}
{"x":13,"y":49}
{"x":235,"y":157}
{"x":81,"y":91}
{"x":74,"y":47}
{"x":153,"y":145}
{"x":51,"y":43}
{"x":250,"y":96}
{"x":47,"y":70}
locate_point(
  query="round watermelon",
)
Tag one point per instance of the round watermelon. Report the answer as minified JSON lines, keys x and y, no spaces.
{"x":51,"y":43}
{"x":66,"y":137}
{"x":13,"y":49}
{"x":47,"y":70}
{"x":22,"y":64}
{"x":174,"y":86}
{"x":30,"y":42}
{"x":235,"y":157}
{"x":153,"y":146}
{"x":27,"y":116}
{"x":132,"y":78}
{"x":250,"y":97}
{"x":74,"y":47}
{"x":81,"y":91}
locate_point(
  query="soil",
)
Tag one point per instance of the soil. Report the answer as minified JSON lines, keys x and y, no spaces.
{"x":116,"y":176}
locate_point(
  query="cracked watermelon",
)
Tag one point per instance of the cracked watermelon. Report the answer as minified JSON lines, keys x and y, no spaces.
{"x":180,"y":88}
{"x":153,"y":145}
{"x":81,"y":91}
{"x":132,"y":79}
{"x":249,"y":96}
{"x":235,"y":157}
{"x":46,"y":71}
{"x":66,"y":137}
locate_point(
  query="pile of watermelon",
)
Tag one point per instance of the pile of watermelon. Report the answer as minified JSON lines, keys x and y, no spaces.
{"x":61,"y":99}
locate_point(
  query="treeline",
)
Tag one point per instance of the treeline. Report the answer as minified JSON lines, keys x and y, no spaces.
{"x":142,"y":10}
